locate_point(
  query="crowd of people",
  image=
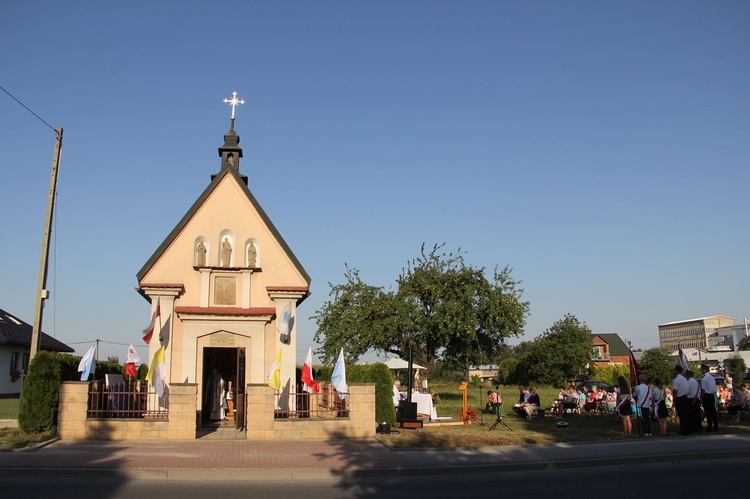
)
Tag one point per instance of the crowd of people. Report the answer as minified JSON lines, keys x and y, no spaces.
{"x":690,"y":400}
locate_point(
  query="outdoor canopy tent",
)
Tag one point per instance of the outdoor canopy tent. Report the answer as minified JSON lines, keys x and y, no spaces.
{"x":396,"y":364}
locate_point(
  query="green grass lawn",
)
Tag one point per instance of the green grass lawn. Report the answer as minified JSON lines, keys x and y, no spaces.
{"x":9,"y":408}
{"x":14,"y":438}
{"x":448,"y":399}
{"x":583,"y":428}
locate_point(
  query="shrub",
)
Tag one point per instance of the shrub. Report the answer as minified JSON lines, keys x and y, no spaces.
{"x":371,"y":373}
{"x":610,"y":373}
{"x":40,"y":394}
{"x":737,"y":367}
{"x":142,"y":372}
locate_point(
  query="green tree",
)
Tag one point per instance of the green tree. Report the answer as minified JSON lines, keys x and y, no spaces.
{"x":560,"y":353}
{"x":445,"y":310}
{"x":657,"y":363}
{"x":744,"y":344}
{"x":736,"y":366}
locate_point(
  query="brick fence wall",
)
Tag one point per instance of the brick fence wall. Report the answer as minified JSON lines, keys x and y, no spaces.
{"x":72,"y":423}
{"x":262,"y":425}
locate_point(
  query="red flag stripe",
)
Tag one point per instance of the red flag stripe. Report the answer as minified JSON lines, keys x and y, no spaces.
{"x":149,"y":331}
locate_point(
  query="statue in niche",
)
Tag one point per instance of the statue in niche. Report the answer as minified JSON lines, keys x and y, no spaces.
{"x":230,"y":159}
{"x":226,"y":253}
{"x":252,"y":255}
{"x":201,"y":250}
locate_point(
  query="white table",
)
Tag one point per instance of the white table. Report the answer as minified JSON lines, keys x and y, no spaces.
{"x":424,"y":404}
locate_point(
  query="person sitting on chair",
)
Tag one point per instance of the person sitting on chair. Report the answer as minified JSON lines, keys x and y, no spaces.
{"x":591,"y":399}
{"x":493,"y":400}
{"x":739,"y":399}
{"x":532,"y":404}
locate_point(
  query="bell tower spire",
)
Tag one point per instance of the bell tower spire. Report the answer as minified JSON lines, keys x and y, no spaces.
{"x":231,"y":152}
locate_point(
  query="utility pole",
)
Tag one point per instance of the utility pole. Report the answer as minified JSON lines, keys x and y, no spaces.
{"x":42,"y":292}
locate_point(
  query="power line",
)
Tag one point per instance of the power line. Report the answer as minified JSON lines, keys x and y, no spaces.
{"x":100,"y":341}
{"x":29,"y":110}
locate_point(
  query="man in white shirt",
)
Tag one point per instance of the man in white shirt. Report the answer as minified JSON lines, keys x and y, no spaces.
{"x":396,"y":393}
{"x":708,"y":397}
{"x":681,"y":403}
{"x":694,"y":397}
{"x":642,"y":395}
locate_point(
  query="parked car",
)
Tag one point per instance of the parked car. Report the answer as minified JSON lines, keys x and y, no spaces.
{"x":602,"y":385}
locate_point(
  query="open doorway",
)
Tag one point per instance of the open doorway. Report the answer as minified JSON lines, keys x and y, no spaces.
{"x":223,"y":387}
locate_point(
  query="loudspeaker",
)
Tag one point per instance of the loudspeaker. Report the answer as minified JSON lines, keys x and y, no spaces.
{"x":408,"y":412}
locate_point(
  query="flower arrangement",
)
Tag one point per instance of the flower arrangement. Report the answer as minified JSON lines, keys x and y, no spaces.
{"x":470,"y":415}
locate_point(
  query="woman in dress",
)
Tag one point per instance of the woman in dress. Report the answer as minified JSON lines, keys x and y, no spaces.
{"x":659,"y":401}
{"x":623,"y":405}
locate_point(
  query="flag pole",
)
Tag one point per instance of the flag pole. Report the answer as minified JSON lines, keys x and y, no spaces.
{"x":42,"y":292}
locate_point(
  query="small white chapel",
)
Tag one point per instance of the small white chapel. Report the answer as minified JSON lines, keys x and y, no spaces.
{"x":228,"y":288}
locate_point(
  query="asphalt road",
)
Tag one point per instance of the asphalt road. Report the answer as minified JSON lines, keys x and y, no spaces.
{"x":688,"y":479}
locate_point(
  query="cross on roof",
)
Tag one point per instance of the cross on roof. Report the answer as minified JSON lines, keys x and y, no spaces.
{"x":234,"y":102}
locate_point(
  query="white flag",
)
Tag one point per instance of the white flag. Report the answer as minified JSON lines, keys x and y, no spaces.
{"x":284,"y":321}
{"x":338,"y":378}
{"x":88,"y":364}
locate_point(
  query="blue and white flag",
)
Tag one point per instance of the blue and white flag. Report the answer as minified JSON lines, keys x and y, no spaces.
{"x":283,"y":324}
{"x":338,"y":378}
{"x":88,"y":364}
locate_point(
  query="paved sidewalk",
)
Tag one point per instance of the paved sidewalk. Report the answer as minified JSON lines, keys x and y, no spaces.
{"x":283,"y":460}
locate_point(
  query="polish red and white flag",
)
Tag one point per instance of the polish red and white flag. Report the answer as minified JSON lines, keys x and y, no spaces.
{"x":133,"y":357}
{"x":149,"y":331}
{"x":309,"y":385}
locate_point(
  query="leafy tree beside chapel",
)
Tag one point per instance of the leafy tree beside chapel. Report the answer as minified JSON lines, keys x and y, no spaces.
{"x":446,"y":310}
{"x":657,"y":363}
{"x":560,"y":354}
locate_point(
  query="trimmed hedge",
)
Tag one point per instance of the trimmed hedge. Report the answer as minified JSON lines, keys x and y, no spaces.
{"x":41,"y":388}
{"x":40,"y":394}
{"x":371,"y":373}
{"x":610,"y":373}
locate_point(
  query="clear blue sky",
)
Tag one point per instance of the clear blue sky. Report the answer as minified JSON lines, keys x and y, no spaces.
{"x":598,"y":148}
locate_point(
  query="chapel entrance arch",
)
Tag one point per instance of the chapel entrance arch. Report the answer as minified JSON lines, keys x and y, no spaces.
{"x":223,"y":370}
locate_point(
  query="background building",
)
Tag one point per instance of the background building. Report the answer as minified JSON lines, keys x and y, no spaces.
{"x":609,"y":349}
{"x":15,"y":343}
{"x":692,"y":333}
{"x":728,"y":337}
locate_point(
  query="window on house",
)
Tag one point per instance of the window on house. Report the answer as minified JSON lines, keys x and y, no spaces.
{"x":13,"y":361}
{"x":25,"y":362}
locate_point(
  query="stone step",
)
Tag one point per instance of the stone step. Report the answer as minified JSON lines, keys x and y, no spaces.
{"x":220,"y":434}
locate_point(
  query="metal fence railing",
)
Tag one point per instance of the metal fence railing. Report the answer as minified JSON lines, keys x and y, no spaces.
{"x":327,"y":404}
{"x":131,"y":399}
